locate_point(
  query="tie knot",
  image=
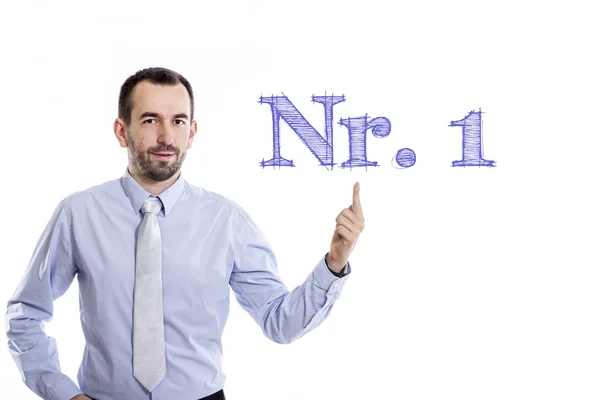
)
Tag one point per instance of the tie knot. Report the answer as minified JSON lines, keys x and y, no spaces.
{"x":152,"y":204}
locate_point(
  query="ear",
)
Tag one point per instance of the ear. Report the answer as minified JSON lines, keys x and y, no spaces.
{"x":193,"y":131}
{"x":120,"y":130}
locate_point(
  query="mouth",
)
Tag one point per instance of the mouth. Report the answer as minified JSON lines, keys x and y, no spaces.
{"x":163,"y":156}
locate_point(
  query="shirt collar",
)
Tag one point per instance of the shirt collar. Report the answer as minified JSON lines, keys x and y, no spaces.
{"x":137,"y":194}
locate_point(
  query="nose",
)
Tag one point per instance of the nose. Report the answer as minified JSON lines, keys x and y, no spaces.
{"x":165,"y":136}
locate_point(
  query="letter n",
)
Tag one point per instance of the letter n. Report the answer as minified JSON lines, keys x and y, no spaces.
{"x":321,"y":147}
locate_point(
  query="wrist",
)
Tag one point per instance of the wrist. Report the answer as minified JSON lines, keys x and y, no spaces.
{"x":335,"y":265}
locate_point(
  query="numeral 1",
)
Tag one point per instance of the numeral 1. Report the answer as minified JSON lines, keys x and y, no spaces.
{"x":472,"y":154}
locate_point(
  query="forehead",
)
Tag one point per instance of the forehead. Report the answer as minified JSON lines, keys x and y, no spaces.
{"x":163,"y":99}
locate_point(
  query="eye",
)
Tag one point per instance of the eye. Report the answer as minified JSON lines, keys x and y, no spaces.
{"x":179,"y":122}
{"x":146,"y":121}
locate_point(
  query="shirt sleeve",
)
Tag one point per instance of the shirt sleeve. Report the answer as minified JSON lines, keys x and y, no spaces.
{"x":284,"y":315}
{"x":48,"y":276}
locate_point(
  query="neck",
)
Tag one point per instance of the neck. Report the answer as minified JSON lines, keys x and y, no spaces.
{"x":153,"y":187}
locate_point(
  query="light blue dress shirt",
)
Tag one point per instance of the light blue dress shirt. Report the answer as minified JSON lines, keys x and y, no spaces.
{"x":209,"y":243}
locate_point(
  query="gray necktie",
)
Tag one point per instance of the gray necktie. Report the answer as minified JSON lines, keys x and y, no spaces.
{"x":148,"y":329}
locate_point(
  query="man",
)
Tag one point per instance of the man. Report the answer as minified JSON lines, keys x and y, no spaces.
{"x":154,"y":257}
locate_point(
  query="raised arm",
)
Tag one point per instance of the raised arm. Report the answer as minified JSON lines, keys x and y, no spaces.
{"x":285,"y":315}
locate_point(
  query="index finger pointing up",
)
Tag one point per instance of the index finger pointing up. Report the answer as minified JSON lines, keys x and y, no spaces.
{"x":356,"y":207}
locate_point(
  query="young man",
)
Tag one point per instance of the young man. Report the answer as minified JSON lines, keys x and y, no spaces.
{"x":154,"y":257}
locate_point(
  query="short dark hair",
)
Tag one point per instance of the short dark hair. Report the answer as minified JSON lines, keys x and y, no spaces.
{"x":157,"y":75}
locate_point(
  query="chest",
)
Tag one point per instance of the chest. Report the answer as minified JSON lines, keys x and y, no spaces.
{"x":196,"y":254}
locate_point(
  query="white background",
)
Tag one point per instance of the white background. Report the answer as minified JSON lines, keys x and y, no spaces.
{"x":468,"y":283}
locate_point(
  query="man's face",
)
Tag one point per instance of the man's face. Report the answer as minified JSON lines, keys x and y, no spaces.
{"x":160,"y":131}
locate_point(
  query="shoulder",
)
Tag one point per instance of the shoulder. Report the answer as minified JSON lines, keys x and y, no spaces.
{"x":62,"y":216}
{"x":201,"y":194}
{"x":90,"y":194}
{"x":223,"y":203}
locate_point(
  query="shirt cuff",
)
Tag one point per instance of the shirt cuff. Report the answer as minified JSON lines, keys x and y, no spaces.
{"x":65,"y":388}
{"x":341,"y":274}
{"x":325,"y":278}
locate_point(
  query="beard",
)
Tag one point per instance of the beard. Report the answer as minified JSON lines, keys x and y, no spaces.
{"x":155,"y":170}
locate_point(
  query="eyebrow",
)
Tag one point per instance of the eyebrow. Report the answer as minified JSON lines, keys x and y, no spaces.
{"x":156,"y":115}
